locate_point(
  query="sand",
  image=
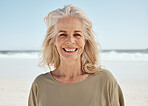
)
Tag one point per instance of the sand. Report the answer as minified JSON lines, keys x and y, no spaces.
{"x":17,"y":76}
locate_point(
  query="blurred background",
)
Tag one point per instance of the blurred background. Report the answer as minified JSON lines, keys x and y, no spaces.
{"x":121,"y":28}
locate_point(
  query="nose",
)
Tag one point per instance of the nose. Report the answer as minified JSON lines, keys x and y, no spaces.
{"x":70,"y":39}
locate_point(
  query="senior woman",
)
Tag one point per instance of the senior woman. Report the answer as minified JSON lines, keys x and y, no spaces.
{"x":78,"y":79}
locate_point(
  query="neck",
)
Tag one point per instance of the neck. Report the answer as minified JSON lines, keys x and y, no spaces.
{"x":69,"y":69}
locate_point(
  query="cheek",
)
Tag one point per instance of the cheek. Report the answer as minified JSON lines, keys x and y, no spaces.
{"x":82,"y":43}
{"x":58,"y":42}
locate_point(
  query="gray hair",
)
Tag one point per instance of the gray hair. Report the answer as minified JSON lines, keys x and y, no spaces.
{"x":90,"y":62}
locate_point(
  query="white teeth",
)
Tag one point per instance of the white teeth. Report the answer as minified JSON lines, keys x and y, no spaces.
{"x":70,"y":49}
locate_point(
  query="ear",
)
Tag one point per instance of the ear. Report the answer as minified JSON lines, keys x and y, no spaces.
{"x":85,"y":41}
{"x":54,"y":43}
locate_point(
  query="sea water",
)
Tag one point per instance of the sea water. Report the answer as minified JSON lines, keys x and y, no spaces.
{"x":124,"y":64}
{"x":107,"y":55}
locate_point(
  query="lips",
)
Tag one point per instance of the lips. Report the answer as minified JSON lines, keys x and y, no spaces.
{"x":70,"y":50}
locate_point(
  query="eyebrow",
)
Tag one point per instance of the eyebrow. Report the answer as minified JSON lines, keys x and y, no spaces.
{"x":62,"y":31}
{"x":66,"y":31}
{"x":77,"y":31}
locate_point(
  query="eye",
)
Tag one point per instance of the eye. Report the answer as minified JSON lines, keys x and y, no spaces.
{"x":62,"y":35}
{"x":77,"y":35}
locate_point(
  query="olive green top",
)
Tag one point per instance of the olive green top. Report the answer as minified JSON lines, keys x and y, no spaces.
{"x":101,"y":89}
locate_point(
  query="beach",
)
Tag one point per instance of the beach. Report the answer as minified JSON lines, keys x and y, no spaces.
{"x":133,"y":80}
{"x":17,"y":75}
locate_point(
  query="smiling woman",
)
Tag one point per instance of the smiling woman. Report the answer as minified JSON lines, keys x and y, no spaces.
{"x":61,"y":23}
{"x":70,"y":40}
{"x":78,"y":79}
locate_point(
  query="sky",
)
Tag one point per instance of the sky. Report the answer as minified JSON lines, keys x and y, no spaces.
{"x":118,"y":24}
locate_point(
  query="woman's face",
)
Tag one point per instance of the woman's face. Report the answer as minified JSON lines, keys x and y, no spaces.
{"x":69,"y":40}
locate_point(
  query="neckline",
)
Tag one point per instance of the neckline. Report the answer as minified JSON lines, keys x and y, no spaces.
{"x":73,"y":84}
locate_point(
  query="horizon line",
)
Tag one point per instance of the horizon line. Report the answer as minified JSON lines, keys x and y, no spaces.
{"x":39,"y":50}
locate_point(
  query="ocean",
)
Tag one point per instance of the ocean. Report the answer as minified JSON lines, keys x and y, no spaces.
{"x":107,"y":55}
{"x":124,"y":64}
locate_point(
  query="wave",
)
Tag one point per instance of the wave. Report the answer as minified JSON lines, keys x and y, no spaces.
{"x":107,"y":55}
{"x":115,"y":56}
{"x":33,"y":55}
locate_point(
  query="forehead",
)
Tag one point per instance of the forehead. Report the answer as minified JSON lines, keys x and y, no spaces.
{"x":69,"y":23}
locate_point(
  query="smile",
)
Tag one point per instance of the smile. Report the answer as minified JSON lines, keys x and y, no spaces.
{"x":70,"y":50}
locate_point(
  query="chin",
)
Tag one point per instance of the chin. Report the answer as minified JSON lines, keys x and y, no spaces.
{"x":70,"y":58}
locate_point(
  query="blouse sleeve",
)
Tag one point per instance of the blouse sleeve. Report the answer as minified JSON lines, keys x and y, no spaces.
{"x":32,"y":100}
{"x":116,"y":95}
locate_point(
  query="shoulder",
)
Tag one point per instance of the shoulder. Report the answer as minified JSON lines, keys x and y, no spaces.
{"x":110,"y":87}
{"x":106,"y":75}
{"x":41,"y":78}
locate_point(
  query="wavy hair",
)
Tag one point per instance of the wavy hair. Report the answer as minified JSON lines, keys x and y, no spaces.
{"x":49,"y":56}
